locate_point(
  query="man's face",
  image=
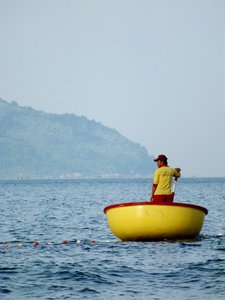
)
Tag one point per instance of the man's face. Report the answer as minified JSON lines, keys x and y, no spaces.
{"x":159,"y":163}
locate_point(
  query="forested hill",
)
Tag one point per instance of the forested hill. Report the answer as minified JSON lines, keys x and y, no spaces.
{"x":35,"y":144}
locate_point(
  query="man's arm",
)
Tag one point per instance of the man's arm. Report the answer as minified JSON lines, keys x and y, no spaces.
{"x":177,"y":173}
{"x":154,"y":186}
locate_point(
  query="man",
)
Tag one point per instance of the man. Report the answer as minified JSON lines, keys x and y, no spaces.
{"x":161,"y":188}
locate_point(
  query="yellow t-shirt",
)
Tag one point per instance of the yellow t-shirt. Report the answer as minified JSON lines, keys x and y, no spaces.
{"x":163,"y":179}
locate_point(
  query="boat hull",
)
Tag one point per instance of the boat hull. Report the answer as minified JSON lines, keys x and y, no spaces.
{"x":143,"y":221}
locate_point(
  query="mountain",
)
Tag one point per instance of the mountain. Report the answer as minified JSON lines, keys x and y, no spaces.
{"x":35,"y":144}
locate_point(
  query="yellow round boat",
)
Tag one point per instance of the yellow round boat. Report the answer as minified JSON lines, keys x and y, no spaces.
{"x":144,"y":221}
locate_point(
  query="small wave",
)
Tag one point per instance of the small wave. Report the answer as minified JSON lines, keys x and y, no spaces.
{"x":88,"y":291}
{"x":214,"y":235}
{"x":4,"y":291}
{"x":7,"y":270}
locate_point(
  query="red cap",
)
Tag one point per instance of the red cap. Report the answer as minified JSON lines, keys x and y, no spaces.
{"x":161,"y":157}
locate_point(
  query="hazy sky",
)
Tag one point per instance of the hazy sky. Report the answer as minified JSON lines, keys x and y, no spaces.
{"x":153,"y":70}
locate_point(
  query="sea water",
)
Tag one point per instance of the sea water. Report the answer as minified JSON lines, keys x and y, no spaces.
{"x":55,"y":243}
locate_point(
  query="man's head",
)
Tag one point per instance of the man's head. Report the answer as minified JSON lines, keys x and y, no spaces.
{"x":161,"y":160}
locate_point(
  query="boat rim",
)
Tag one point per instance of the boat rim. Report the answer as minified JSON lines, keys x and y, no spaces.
{"x":205,"y":210}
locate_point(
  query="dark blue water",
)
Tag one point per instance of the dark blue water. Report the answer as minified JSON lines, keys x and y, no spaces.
{"x":94,"y":264}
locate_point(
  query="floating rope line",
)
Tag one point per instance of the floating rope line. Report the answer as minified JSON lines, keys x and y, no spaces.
{"x":37,"y":243}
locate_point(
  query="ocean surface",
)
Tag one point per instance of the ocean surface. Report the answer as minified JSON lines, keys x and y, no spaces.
{"x":55,"y":243}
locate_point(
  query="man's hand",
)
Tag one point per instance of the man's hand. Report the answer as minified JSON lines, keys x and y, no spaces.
{"x":178,"y":170}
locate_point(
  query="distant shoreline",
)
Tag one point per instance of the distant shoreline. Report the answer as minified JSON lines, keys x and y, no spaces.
{"x":100,"y":178}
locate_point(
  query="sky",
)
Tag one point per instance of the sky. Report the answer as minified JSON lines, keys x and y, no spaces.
{"x":152,"y":70}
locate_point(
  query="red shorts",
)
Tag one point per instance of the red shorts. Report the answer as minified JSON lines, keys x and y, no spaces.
{"x":163,"y":198}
